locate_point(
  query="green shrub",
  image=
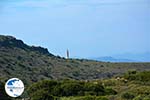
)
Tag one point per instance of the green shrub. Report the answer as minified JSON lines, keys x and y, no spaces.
{"x":70,"y":89}
{"x":101,"y":98}
{"x":140,"y":76}
{"x":90,"y":93}
{"x":127,"y":96}
{"x":86,"y":98}
{"x":41,"y":89}
{"x":42,"y":95}
{"x":110,"y":91}
{"x":97,"y":89}
{"x":138,"y":98}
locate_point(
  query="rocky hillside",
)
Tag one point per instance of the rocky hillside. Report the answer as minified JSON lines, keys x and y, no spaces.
{"x":31,"y":64}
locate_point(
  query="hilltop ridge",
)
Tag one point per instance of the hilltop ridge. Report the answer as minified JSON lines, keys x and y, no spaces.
{"x":10,"y":41}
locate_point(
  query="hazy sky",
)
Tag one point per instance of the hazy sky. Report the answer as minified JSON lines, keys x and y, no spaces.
{"x":88,"y":28}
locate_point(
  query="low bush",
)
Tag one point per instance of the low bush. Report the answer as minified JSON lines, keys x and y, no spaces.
{"x":49,"y":88}
{"x":128,"y":96}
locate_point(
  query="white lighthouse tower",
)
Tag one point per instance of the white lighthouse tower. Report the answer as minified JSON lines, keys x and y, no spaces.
{"x":67,"y":54}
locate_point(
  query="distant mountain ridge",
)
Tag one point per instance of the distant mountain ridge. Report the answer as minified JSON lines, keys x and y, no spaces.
{"x":111,"y":59}
{"x":139,"y":57}
{"x":126,"y":57}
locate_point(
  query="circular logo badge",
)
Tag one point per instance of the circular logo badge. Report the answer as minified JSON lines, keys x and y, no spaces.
{"x":14,"y":87}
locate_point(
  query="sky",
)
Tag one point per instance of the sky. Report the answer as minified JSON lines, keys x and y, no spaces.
{"x":88,"y":28}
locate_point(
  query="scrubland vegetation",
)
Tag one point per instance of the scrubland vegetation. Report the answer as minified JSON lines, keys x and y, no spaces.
{"x":131,"y":86}
{"x":49,"y":77}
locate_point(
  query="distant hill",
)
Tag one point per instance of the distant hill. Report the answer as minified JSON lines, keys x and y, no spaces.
{"x":112,"y":59}
{"x":141,"y":57}
{"x":32,"y":63}
{"x":125,"y":57}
